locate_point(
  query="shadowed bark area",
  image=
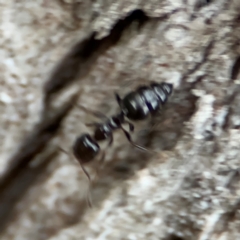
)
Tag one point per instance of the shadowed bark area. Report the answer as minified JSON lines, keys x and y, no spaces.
{"x":19,"y":176}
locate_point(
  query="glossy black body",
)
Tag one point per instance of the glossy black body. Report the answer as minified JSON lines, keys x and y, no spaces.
{"x":105,"y":130}
{"x":85,"y":148}
{"x":145,"y":100}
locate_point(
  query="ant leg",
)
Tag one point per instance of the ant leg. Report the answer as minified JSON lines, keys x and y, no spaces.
{"x":88,"y":199}
{"x":111,"y":140}
{"x":84,"y":170}
{"x":100,"y":162}
{"x":93,"y":112}
{"x":63,"y":150}
{"x":118,"y":98}
{"x":154,"y":125}
{"x":93,"y":124}
{"x":101,"y":159}
{"x":131,"y":126}
{"x":130,"y":140}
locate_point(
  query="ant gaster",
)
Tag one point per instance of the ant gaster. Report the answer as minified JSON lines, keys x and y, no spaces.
{"x":145,"y":100}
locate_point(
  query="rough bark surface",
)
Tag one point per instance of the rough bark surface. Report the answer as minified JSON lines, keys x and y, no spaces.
{"x":58,"y":54}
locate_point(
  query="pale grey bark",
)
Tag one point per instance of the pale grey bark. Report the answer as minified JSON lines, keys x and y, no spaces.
{"x":188,"y":188}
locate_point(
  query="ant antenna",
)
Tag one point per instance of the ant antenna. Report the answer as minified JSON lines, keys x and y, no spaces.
{"x":128,"y":136}
{"x":88,"y":199}
{"x":93,"y":112}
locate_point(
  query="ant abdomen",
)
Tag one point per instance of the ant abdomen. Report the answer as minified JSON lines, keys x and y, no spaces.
{"x":134,"y":106}
{"x":85,"y":148}
{"x":162,"y":90}
{"x":145,"y":100}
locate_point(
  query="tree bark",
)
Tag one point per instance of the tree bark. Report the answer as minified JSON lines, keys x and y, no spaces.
{"x":57,"y":55}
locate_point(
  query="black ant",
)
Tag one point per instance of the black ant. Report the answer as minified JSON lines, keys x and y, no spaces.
{"x":136,"y":105}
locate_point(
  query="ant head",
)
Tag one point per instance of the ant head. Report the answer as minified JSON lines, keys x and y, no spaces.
{"x":85,"y":148}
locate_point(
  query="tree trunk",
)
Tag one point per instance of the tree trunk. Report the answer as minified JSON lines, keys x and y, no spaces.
{"x":61,"y":60}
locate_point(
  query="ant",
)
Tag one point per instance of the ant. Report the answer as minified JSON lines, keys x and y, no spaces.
{"x":136,"y":105}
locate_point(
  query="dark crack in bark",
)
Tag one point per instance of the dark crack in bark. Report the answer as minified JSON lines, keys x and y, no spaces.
{"x":18,"y":175}
{"x":17,"y":186}
{"x":206,"y":53}
{"x":235,"y":69}
{"x":85,"y":53}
